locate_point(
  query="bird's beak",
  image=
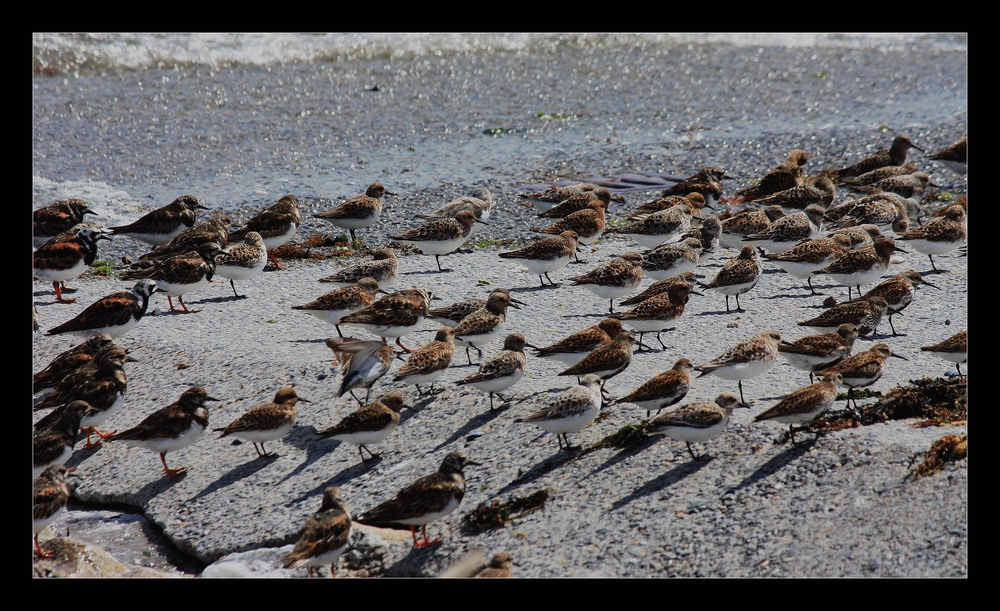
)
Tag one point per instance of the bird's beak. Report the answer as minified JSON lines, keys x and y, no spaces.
{"x":516,"y":303}
{"x":481,"y":222}
{"x":898,"y":356}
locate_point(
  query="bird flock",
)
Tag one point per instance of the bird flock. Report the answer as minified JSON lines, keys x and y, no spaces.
{"x":782,"y":218}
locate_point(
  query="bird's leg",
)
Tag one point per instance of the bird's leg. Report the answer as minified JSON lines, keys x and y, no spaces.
{"x":691,"y":451}
{"x":59,"y":291}
{"x":232,"y":284}
{"x":740,"y":384}
{"x":405,"y":349}
{"x":42,"y":553}
{"x":171,"y":473}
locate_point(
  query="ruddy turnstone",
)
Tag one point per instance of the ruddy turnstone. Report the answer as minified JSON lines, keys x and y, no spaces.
{"x":785,"y":232}
{"x":324,"y":537}
{"x":658,"y":227}
{"x":954,"y":349}
{"x":276,"y":225}
{"x":429,"y":498}
{"x":53,"y":444}
{"x":333,"y":306}
{"x":659,"y":287}
{"x":861,"y":266}
{"x":878,"y":174}
{"x":865,"y":313}
{"x":606,"y":361}
{"x":180,"y":275}
{"x":546,"y":255}
{"x":894,"y":155}
{"x":242,"y":261}
{"x":383,"y":267}
{"x":954,"y":157}
{"x":820,"y":192}
{"x":804,"y":405}
{"x":58,"y":261}
{"x":479,"y":203}
{"x":358,"y":212}
{"x":267,"y":421}
{"x":362,"y":363}
{"x":614,"y":279}
{"x":898,"y":293}
{"x":939,"y":235}
{"x":500,"y":372}
{"x":737,"y":276}
{"x":56,"y":218}
{"x":49,"y":495}
{"x":569,"y":411}
{"x":485,"y":324}
{"x":696,"y":422}
{"x":158,"y":226}
{"x":440,"y":237}
{"x":577,"y":202}
{"x":744,"y":222}
{"x":573,"y":348}
{"x":862,"y":368}
{"x":783,"y":176}
{"x":809,"y":255}
{"x":499,"y":567}
{"x":662,"y":390}
{"x":452,"y":314}
{"x":745,"y":360}
{"x":547,"y":198}
{"x":369,"y":424}
{"x":214,"y":230}
{"x":669,"y":260}
{"x":67,"y":362}
{"x":815,"y":352}
{"x":114,"y":314}
{"x":172,"y":428}
{"x":429,"y":361}
{"x":658,"y":312}
{"x":588,"y":224}
{"x":102,"y":384}
{"x":394,"y":315}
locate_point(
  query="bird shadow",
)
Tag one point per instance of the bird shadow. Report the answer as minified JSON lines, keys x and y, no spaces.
{"x":235,"y":474}
{"x":475,"y":422}
{"x":671,"y":477}
{"x":355,"y":470}
{"x":543,"y":468}
{"x":532,"y":289}
{"x":720,"y":312}
{"x":775,"y":464}
{"x":225,"y":299}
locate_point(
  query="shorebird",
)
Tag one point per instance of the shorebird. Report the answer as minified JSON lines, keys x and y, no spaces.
{"x":954,"y":349}
{"x":815,"y":352}
{"x":479,"y":203}
{"x":358,"y":212}
{"x":783,"y":176}
{"x":898,"y":293}
{"x":569,"y":411}
{"x":57,"y":261}
{"x":114,"y":314}
{"x":607,"y":361}
{"x":573,"y":348}
{"x":276,"y":225}
{"x":804,"y":405}
{"x":939,"y":235}
{"x":614,"y":279}
{"x":362,"y":363}
{"x":383,"y":267}
{"x":172,"y":428}
{"x":440,"y":237}
{"x":324,"y":537}
{"x":56,"y":218}
{"x":333,"y":306}
{"x":429,"y":361}
{"x":67,"y":362}
{"x":662,"y":390}
{"x":242,"y":261}
{"x":546,"y":255}
{"x":657,"y":313}
{"x":737,"y":276}
{"x":395,"y":315}
{"x":500,"y":372}
{"x":745,"y":360}
{"x":894,"y":155}
{"x":426,"y":500}
{"x":160,"y":225}
{"x":862,"y":368}
{"x":954,"y":157}
{"x":369,"y":424}
{"x":267,"y":421}
{"x":49,"y":495}
{"x":485,"y":324}
{"x":866,"y":314}
{"x":180,"y":275}
{"x":696,"y":422}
